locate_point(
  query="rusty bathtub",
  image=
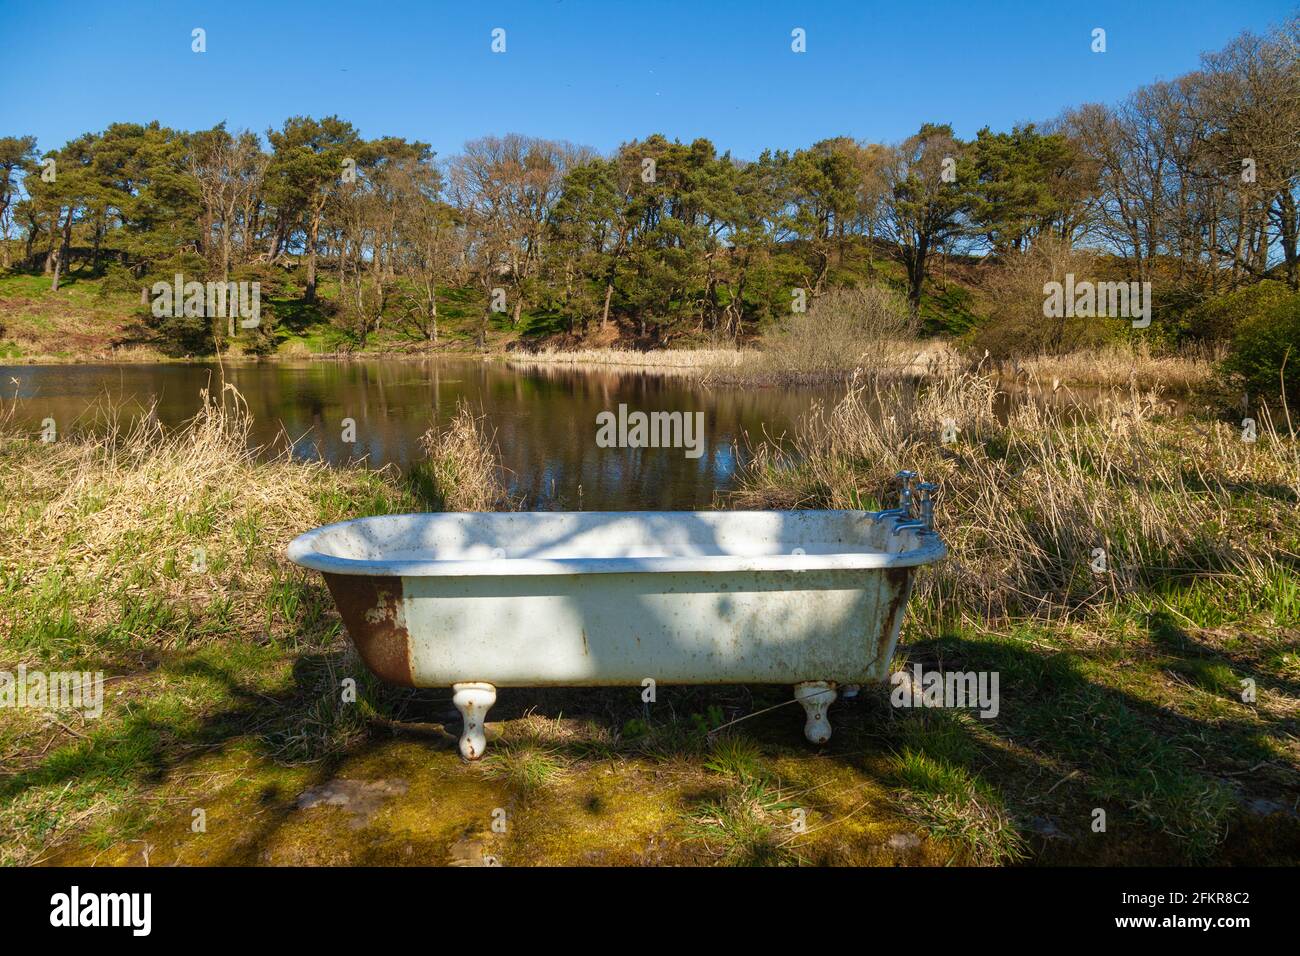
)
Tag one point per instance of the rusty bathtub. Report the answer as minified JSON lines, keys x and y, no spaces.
{"x":485,"y":600}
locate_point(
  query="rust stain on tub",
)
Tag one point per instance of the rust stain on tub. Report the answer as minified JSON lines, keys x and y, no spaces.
{"x":372,"y":610}
{"x":900,"y":584}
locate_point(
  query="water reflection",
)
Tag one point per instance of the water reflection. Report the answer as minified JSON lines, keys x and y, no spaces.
{"x":545,"y":419}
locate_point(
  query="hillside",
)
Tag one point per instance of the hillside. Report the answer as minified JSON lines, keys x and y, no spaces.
{"x":102,"y":318}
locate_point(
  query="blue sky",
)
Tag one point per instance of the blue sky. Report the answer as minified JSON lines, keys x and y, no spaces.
{"x":597,"y":73}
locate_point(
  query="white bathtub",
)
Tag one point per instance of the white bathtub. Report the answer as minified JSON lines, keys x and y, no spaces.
{"x":479,"y":601}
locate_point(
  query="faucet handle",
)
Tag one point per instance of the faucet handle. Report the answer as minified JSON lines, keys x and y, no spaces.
{"x":905,"y":479}
{"x":927,"y":489}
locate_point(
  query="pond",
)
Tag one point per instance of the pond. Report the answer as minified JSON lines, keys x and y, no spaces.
{"x":545,"y":419}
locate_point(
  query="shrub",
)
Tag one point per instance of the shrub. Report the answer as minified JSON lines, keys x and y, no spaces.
{"x":1265,"y":355}
{"x":1218,"y":319}
{"x":118,"y":279}
{"x":181,"y":335}
{"x":1016,"y":325}
{"x":840,"y":331}
{"x":274,"y":279}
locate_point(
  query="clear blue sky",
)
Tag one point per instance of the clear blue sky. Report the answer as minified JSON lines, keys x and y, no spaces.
{"x":597,"y":73}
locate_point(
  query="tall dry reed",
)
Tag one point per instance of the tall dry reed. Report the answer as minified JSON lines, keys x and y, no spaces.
{"x":464,"y":464}
{"x":129,"y":532}
{"x":1035,"y":499}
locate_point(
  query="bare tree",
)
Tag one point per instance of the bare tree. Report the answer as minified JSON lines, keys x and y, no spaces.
{"x":508,"y":186}
{"x":229,"y":170}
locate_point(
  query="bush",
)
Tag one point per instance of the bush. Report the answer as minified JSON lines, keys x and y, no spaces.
{"x":259,"y":341}
{"x":1017,"y":326}
{"x":1265,"y":355}
{"x":275,"y":280}
{"x":1218,"y":319}
{"x":842,"y":329}
{"x":119,"y":280}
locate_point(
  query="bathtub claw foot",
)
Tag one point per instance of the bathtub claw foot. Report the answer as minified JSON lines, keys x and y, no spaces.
{"x":816,"y":697}
{"x":473,"y":701}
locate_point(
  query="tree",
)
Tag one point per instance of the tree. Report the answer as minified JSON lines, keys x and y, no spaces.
{"x":17,"y":155}
{"x":1251,"y":98}
{"x":583,"y":240}
{"x":305,"y":171}
{"x":148,"y":209}
{"x":1025,"y":183}
{"x":928,"y":175}
{"x":422,"y":231}
{"x":825,"y":187}
{"x":229,"y":171}
{"x":72,"y":192}
{"x":509,"y":185}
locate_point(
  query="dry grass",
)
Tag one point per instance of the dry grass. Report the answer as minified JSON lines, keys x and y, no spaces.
{"x":816,"y":347}
{"x":157,"y":557}
{"x":693,"y":362}
{"x":116,"y":354}
{"x":464,"y":464}
{"x":1121,"y":682}
{"x":130,"y":533}
{"x":1120,"y":366}
{"x":1024,"y":503}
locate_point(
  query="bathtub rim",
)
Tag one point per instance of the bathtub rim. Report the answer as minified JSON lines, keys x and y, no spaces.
{"x":928,"y":548}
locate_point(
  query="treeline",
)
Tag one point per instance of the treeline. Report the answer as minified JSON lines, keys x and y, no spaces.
{"x":1191,"y":184}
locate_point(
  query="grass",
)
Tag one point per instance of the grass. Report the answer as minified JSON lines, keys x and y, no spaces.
{"x":156,"y":557}
{"x":1120,"y":365}
{"x":1031,"y":491}
{"x":524,"y":769}
{"x":687,"y":361}
{"x":462,"y":470}
{"x":804,"y":356}
{"x":747,"y":826}
{"x":1122,"y":689}
{"x":140,"y":539}
{"x":83,"y":321}
{"x":752,"y":822}
{"x":960,"y":808}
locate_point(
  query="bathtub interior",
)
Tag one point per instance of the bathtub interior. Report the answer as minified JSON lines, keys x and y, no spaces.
{"x":587,"y":535}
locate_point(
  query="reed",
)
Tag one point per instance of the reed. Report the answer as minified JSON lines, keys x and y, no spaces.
{"x":123,"y":533}
{"x":156,"y":555}
{"x":1029,"y":496}
{"x":464,"y":464}
{"x":1128,"y":573}
{"x":694,"y":363}
{"x":1120,"y":365}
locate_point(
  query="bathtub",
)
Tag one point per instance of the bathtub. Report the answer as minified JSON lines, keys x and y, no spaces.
{"x":477,"y":601}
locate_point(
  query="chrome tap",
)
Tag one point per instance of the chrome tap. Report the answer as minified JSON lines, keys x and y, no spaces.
{"x":925,"y":524}
{"x":904,"y":509}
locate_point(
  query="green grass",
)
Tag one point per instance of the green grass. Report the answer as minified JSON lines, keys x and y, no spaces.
{"x":1131,"y":706}
{"x":749,"y":822}
{"x":525,"y":769}
{"x":959,"y":808}
{"x":1148,"y":727}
